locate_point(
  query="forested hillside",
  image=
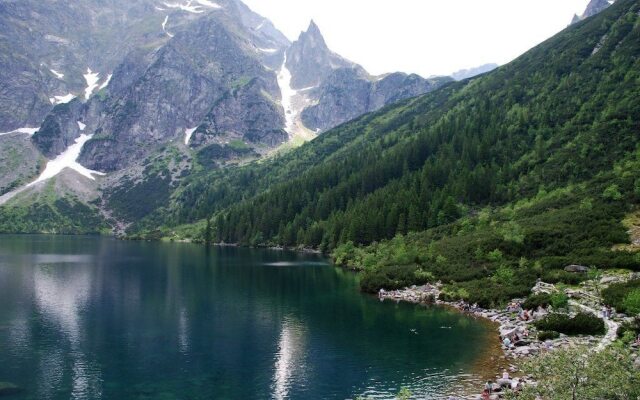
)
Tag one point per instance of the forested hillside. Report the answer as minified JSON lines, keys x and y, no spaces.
{"x":537,"y":160}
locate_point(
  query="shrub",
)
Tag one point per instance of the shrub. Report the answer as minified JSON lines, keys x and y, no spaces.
{"x":612,"y":193}
{"x":581,"y":324}
{"x":616,"y":294}
{"x":632,"y":302}
{"x":560,"y":276}
{"x":548,"y":335}
{"x":532,"y":302}
{"x":504,"y":275}
{"x":631,"y":328}
{"x":389,"y":278}
{"x":559,"y":300}
{"x":495,"y":256}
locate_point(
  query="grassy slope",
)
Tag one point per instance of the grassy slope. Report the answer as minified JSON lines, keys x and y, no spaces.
{"x":48,"y":211}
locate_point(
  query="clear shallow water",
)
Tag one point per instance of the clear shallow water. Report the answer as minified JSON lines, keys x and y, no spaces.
{"x":96,"y":318}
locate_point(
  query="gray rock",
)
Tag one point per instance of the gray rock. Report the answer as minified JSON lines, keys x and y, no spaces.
{"x":471,"y":72}
{"x":594,"y":7}
{"x":348,"y":93}
{"x":577,"y":269}
{"x":310,"y":60}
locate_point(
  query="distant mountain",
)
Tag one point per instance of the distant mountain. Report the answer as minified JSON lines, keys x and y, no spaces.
{"x":594,"y":7}
{"x":471,"y":72}
{"x":328,"y":90}
{"x":150,"y":92}
{"x":490,"y":183}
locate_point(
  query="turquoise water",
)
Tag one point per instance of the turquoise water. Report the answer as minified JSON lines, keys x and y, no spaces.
{"x":97,"y":318}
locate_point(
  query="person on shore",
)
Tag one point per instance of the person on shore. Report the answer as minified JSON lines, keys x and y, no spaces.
{"x":488,"y":387}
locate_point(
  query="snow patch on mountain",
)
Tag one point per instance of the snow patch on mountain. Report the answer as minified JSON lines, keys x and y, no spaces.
{"x":196,"y":8}
{"x":106,"y":83}
{"x":68,"y":159}
{"x":56,"y":73}
{"x":208,"y":3}
{"x":81,"y":126}
{"x":92,"y":79}
{"x":55,"y":100}
{"x":288,"y":93}
{"x":28,"y":131}
{"x":268,"y":51}
{"x":187,"y":135}
{"x":164,"y":26}
{"x":293,"y":102}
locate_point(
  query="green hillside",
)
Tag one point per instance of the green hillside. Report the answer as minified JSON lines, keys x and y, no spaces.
{"x":510,"y":175}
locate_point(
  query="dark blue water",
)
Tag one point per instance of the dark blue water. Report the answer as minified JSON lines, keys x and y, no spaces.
{"x":96,"y":318}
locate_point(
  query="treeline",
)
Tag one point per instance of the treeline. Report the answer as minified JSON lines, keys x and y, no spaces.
{"x":559,"y":115}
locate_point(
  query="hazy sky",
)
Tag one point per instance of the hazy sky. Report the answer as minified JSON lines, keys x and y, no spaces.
{"x":428,"y":37}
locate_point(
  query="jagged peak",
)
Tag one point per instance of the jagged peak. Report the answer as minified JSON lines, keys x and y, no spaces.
{"x":312,"y":33}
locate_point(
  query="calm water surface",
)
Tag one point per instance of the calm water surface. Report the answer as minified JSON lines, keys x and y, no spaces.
{"x":97,"y":318}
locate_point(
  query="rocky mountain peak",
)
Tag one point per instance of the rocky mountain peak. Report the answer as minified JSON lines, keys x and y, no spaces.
{"x":313,"y":32}
{"x":594,"y":7}
{"x":310,"y":60}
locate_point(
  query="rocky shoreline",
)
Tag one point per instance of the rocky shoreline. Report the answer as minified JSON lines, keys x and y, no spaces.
{"x":518,"y":336}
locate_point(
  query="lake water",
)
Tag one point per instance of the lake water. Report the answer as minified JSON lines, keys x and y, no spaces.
{"x":97,"y":318}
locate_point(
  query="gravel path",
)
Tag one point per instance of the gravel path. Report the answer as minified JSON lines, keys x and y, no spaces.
{"x":612,"y":326}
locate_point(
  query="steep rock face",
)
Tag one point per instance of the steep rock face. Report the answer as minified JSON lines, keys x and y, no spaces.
{"x":399,"y":86}
{"x":310,"y":60}
{"x":19,"y":161}
{"x":247,"y":113}
{"x":185,"y":78}
{"x":60,"y":129}
{"x":594,"y":7}
{"x":346,"y":94}
{"x":471,"y":72}
{"x":47,"y":46}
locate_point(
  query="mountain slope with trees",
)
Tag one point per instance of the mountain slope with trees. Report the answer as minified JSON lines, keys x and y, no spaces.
{"x":536,"y":161}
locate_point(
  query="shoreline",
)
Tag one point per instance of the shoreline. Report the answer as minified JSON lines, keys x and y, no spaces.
{"x":507,"y":325}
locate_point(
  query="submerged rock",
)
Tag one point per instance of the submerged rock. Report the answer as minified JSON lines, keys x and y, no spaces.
{"x":7,"y":389}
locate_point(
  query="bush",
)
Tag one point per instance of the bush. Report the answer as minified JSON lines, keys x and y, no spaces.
{"x":389,"y":278}
{"x":561,"y":276}
{"x":630,"y":328}
{"x":631,"y":302}
{"x":581,"y":324}
{"x":616,"y":294}
{"x":548,"y":335}
{"x":612,"y":193}
{"x":534,"y":301}
{"x":559,"y":300}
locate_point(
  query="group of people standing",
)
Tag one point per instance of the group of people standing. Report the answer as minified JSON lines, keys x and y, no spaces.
{"x":506,"y":382}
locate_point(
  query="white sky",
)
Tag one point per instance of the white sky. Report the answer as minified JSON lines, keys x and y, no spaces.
{"x":429,"y":37}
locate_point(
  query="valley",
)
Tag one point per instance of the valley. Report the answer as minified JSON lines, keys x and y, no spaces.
{"x":200,"y":124}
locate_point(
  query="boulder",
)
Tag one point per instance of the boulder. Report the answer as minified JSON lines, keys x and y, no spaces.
{"x":580,"y":269}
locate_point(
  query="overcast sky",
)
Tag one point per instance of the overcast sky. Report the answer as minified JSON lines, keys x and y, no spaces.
{"x":429,"y":37}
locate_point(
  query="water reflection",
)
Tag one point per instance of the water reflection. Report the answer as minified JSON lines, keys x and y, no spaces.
{"x":61,"y":297}
{"x":290,"y":365}
{"x":92,"y":318}
{"x":183,"y":331}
